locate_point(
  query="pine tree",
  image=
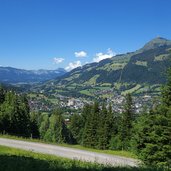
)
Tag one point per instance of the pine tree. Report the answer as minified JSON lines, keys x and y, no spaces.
{"x":102,"y":131}
{"x":152,"y":135}
{"x":2,"y":94}
{"x":126,"y":122}
{"x":34,"y":124}
{"x":90,"y":138}
{"x":111,"y":124}
{"x":76,"y":127}
{"x":55,"y":130}
{"x":166,"y":90}
{"x":15,"y":118}
{"x":44,"y":126}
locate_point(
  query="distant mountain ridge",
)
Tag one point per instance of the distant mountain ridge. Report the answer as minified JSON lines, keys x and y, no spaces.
{"x":140,"y":72}
{"x":14,"y":75}
{"x":142,"y":68}
{"x":146,"y":65}
{"x":156,"y":43}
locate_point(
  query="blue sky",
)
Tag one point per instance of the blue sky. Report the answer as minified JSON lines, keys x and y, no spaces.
{"x":47,"y":34}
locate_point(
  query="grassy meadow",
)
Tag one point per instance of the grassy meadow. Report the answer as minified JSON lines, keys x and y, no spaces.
{"x":12,"y":159}
{"x":111,"y":152}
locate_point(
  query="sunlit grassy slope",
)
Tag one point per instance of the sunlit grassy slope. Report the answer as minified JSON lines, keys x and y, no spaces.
{"x":19,"y":160}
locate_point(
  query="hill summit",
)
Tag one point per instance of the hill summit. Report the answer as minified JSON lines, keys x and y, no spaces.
{"x":141,"y":69}
{"x":157,"y":42}
{"x":146,"y":65}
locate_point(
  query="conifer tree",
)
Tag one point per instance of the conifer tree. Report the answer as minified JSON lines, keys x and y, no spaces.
{"x":34,"y":124}
{"x":15,"y":116}
{"x":102,"y":131}
{"x":76,"y":127}
{"x":126,"y":122}
{"x":2,"y":94}
{"x":166,"y":90}
{"x":90,"y":138}
{"x":152,"y":135}
{"x":111,"y":124}
{"x":54,"y":129}
{"x":44,"y":126}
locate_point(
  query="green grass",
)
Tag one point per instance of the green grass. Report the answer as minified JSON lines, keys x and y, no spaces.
{"x":137,"y":87}
{"x":113,"y":67}
{"x":19,"y":160}
{"x":86,"y":92}
{"x":12,"y":159}
{"x":104,"y":87}
{"x":32,"y":95}
{"x":112,"y":152}
{"x":54,"y":101}
{"x":92,"y":81}
{"x":141,"y":63}
{"x":109,"y":95}
{"x":161,"y":57}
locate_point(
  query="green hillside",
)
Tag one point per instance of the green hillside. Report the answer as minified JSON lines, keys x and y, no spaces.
{"x":145,"y":67}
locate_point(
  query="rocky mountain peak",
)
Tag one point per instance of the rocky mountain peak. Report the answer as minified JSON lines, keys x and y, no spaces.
{"x":156,"y":43}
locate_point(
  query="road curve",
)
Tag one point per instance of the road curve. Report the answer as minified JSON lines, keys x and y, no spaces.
{"x":70,"y":153}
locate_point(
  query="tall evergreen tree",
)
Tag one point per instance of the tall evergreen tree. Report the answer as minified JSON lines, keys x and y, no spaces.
{"x":106,"y":127}
{"x":166,"y":90}
{"x":76,"y":127}
{"x":2,"y":94}
{"x":44,"y":125}
{"x":127,"y":122}
{"x":90,"y":138}
{"x":15,"y":115}
{"x":54,"y":129}
{"x":102,"y":131}
{"x":34,"y":124}
{"x":152,"y":139}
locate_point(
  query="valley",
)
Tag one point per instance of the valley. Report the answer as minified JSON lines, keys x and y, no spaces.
{"x":142,"y":95}
{"x":85,"y":85}
{"x":140,"y":73}
{"x":106,"y":105}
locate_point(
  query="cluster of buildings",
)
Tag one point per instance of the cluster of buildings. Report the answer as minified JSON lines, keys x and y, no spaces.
{"x":71,"y":102}
{"x":139,"y":102}
{"x":117,"y":101}
{"x":40,"y":104}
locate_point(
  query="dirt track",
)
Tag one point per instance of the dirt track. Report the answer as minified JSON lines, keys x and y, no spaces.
{"x":69,"y":152}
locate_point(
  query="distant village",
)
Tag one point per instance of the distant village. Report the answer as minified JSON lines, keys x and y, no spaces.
{"x":42,"y":104}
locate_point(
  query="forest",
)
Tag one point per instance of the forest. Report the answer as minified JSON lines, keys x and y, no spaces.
{"x":147,"y":134}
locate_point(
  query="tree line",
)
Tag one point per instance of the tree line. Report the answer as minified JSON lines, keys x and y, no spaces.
{"x":98,"y":126}
{"x":14,"y":113}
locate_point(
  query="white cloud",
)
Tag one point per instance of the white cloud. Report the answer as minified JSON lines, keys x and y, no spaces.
{"x":58,"y":60}
{"x":100,"y":56}
{"x":80,"y":54}
{"x":73,"y":65}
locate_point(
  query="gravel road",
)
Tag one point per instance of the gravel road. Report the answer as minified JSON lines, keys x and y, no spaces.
{"x":69,"y":152}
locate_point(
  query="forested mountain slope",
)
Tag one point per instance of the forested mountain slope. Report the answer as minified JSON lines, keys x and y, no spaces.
{"x":146,"y":65}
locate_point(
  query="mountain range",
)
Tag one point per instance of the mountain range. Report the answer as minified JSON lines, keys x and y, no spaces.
{"x":134,"y":70}
{"x":146,"y":65}
{"x":14,"y":75}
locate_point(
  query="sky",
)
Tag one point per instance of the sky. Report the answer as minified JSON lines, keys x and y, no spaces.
{"x":51,"y":34}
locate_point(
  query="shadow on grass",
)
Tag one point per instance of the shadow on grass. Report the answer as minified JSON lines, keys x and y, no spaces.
{"x":21,"y":163}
